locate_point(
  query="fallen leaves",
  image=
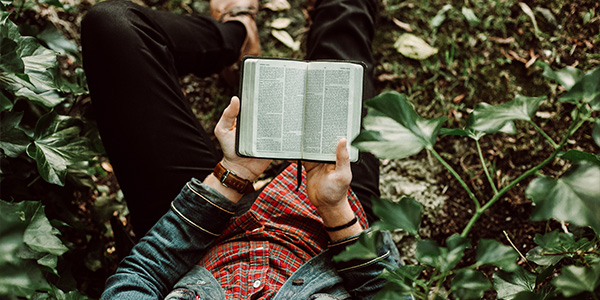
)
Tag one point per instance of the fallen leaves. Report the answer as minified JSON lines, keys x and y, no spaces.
{"x":414,"y":47}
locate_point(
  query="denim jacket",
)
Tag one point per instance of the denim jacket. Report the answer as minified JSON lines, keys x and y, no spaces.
{"x":164,"y":263}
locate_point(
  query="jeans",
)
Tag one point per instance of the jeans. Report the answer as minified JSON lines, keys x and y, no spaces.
{"x":133,"y":57}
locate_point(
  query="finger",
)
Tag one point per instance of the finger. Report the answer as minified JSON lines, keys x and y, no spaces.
{"x":342,"y":157}
{"x":230,"y":114}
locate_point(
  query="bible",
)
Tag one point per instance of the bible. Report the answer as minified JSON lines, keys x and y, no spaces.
{"x":298,"y":110}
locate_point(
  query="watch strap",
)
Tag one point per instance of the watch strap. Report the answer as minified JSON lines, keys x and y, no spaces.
{"x":231,"y":180}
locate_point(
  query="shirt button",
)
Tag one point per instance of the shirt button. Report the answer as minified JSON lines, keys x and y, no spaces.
{"x":256,"y":284}
{"x":298,"y":281}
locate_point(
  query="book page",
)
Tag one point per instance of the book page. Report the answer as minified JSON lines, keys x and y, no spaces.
{"x":332,"y":108}
{"x":277,"y":108}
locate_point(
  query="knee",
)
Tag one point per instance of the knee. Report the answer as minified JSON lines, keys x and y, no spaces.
{"x":105,"y":21}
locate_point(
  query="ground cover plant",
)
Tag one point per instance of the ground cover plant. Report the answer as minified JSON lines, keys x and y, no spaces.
{"x":61,"y":203}
{"x":394,"y":130}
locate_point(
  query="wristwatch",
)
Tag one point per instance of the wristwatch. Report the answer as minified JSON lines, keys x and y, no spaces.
{"x":231,"y":180}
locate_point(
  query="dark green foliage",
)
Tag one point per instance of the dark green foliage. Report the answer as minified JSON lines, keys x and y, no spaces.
{"x":568,"y":264}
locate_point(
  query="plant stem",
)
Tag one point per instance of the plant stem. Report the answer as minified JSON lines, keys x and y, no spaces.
{"x":485,"y":169}
{"x":496,"y":197}
{"x":577,"y":122}
{"x":547,"y":137}
{"x":453,"y":172}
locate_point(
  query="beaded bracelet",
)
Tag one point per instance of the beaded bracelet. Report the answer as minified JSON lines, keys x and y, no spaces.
{"x":337,"y":228}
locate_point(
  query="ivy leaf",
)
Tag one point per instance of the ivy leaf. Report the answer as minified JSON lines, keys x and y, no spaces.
{"x":364,"y":248}
{"x":429,"y":253}
{"x":492,"y":252}
{"x":19,"y":275}
{"x":41,"y":236}
{"x":566,"y":77}
{"x":14,"y":140}
{"x":508,"y":285}
{"x":596,"y":132}
{"x":470,"y":284}
{"x":57,"y":145}
{"x":576,"y":155}
{"x":57,"y":41}
{"x":404,"y":214}
{"x":573,"y":198}
{"x":574,"y":280}
{"x":408,"y":135}
{"x":400,"y":281}
{"x":492,"y":118}
{"x":587,"y":89}
{"x":9,"y":58}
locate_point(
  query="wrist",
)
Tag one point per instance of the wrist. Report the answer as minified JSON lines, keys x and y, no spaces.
{"x":239,"y":170}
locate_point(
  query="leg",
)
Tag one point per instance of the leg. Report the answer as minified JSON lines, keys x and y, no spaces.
{"x":132,"y":58}
{"x":344,"y":30}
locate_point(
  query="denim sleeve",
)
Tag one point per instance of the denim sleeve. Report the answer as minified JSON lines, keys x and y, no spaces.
{"x":359,"y":275}
{"x":176,"y":243}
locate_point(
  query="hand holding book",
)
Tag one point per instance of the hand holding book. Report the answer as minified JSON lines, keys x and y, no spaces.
{"x":298,"y":110}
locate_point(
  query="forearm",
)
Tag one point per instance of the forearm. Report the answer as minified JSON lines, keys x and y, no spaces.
{"x":176,"y":243}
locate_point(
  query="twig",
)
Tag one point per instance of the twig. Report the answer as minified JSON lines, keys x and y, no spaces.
{"x":516,"y":249}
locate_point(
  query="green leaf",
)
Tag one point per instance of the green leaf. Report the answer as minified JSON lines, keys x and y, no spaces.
{"x":49,"y":98}
{"x":57,"y":41}
{"x":364,"y":248}
{"x":5,"y":103}
{"x":20,"y":274}
{"x":385,"y":138}
{"x":596,"y":132}
{"x":576,"y":155}
{"x":401,"y":281}
{"x":444,"y":258}
{"x":574,"y":280}
{"x":586,"y":89}
{"x":414,"y":47}
{"x":470,"y":284}
{"x":41,"y":236}
{"x":566,"y":77}
{"x":14,"y":140}
{"x":492,"y":252}
{"x":508,"y":285}
{"x":404,"y":214}
{"x":493,"y":118}
{"x":573,"y":198}
{"x":470,"y":16}
{"x":9,"y":58}
{"x":407,"y":136}
{"x":57,"y":145}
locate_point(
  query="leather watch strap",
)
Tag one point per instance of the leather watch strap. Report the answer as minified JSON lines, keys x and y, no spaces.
{"x":231,"y":180}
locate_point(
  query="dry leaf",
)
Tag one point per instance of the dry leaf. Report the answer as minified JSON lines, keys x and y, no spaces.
{"x":284,"y":37}
{"x":277,"y":5}
{"x":414,"y":47}
{"x":107,"y":167}
{"x":402,"y":25}
{"x":500,"y":40}
{"x":281,"y":23}
{"x":387,"y":77}
{"x":459,"y":98}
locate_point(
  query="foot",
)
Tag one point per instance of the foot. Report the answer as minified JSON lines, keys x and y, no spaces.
{"x":243,"y":11}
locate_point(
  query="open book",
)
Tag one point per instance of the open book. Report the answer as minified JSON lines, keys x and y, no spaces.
{"x":294,"y":109}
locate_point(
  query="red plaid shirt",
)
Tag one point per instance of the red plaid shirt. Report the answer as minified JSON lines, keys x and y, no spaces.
{"x":259,"y":250}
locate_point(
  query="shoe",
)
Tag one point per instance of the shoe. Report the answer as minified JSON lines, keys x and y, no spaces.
{"x":245,"y":12}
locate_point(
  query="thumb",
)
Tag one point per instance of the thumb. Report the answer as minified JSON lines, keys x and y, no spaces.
{"x":230,"y":113}
{"x":342,"y":157}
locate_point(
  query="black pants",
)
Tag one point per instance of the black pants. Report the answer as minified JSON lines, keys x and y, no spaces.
{"x":133,"y":57}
